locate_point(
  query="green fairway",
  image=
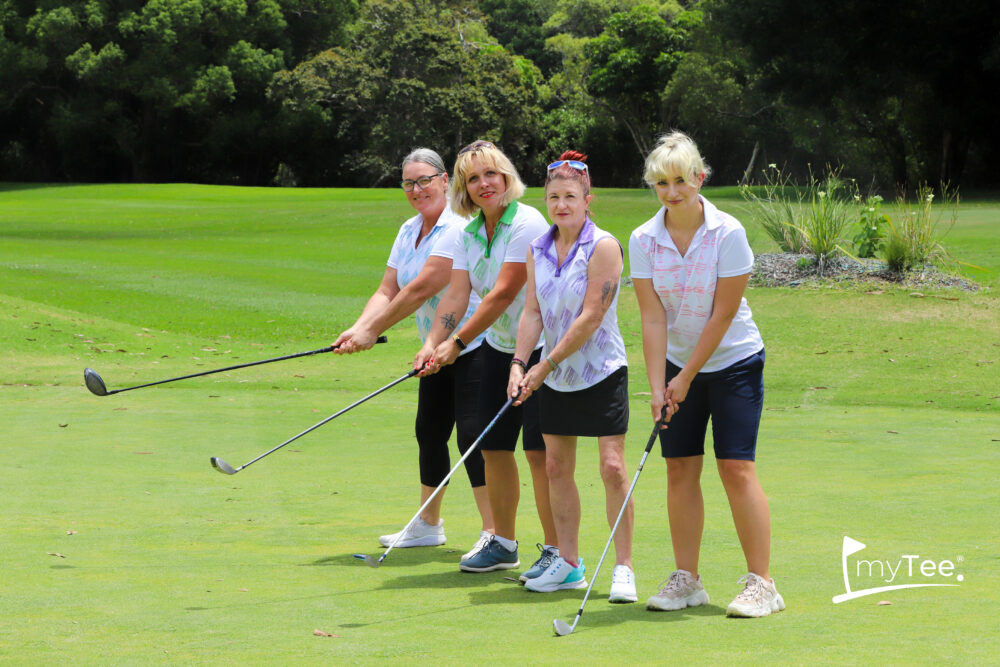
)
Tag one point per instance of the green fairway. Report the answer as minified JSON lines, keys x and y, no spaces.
{"x":121,"y":545}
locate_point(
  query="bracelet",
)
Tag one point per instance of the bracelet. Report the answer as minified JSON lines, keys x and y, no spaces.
{"x":520,"y":363}
{"x":552,"y":364}
{"x":458,"y":341}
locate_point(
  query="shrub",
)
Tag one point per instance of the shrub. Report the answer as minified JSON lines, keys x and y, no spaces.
{"x":776,"y":205}
{"x":915,"y":238}
{"x":871,"y":227}
{"x":827,"y":216}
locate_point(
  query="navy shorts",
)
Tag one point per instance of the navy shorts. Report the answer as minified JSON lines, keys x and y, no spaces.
{"x":733,"y":398}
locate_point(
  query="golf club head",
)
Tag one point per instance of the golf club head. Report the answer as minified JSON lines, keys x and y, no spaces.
{"x":561,"y":628}
{"x":94,"y":382}
{"x":370,"y":561}
{"x":222,"y":466}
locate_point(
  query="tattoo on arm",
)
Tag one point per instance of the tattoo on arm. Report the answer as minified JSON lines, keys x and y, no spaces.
{"x":608,"y":291}
{"x":449,"y":322}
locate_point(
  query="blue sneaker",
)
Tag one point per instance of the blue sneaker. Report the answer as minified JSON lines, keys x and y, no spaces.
{"x":493,"y":556}
{"x":559,"y":577}
{"x":542,"y":564}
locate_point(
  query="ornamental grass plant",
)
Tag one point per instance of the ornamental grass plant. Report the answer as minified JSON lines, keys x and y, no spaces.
{"x":915,"y":237}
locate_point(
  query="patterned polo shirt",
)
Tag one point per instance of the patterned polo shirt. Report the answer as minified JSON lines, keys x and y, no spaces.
{"x":408,"y":258}
{"x":686,"y":284}
{"x":560,"y":290}
{"x":483,"y":259}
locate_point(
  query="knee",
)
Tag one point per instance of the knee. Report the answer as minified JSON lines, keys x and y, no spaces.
{"x":682,"y":471}
{"x":613,"y":470}
{"x":737,"y":473}
{"x":557,"y":469}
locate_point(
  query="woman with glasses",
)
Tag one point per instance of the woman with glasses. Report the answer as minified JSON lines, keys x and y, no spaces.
{"x":489,"y":261}
{"x":574,"y":271}
{"x":705,"y":359}
{"x":415,"y":277}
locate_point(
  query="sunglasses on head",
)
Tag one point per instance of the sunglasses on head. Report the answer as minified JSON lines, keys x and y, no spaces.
{"x":575,"y":164}
{"x":475,"y":146}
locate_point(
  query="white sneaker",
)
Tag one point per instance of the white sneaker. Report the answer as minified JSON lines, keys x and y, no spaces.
{"x":420,"y":534}
{"x":484,"y":538}
{"x":760,"y":597}
{"x":560,"y":576}
{"x":622,"y":585}
{"x":680,"y":590}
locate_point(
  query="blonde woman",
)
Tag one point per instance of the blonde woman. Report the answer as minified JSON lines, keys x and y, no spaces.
{"x":489,"y":261}
{"x":704,"y":357}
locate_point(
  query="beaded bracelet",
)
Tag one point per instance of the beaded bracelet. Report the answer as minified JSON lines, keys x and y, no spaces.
{"x":520,"y":363}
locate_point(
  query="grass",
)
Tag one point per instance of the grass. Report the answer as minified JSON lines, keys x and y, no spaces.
{"x":880,"y":424}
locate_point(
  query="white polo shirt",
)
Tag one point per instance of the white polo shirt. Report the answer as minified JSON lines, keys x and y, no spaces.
{"x":408,"y":258}
{"x":517,"y":228}
{"x":686,"y":285}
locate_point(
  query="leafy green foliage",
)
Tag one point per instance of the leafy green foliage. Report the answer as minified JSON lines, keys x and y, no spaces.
{"x":871,"y":227}
{"x":915,"y":238}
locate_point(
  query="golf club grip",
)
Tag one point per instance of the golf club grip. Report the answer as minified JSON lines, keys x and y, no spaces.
{"x":328,"y":348}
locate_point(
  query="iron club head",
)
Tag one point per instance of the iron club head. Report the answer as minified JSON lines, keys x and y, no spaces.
{"x":94,"y":382}
{"x":561,"y":628}
{"x":370,"y":561}
{"x":222,"y":466}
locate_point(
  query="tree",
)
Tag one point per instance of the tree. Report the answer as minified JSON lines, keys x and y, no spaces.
{"x":907,"y":75}
{"x":417,"y":73}
{"x":631,"y":62}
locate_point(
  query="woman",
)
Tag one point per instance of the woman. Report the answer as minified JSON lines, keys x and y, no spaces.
{"x":489,"y":262}
{"x":690,"y":266}
{"x":416,"y":275}
{"x":582,"y":383}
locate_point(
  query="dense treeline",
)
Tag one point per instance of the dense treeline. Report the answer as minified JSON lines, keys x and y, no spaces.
{"x":333,"y":92}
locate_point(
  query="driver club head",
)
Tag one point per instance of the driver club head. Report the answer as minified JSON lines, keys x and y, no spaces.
{"x":369,"y":560}
{"x":561,"y":628}
{"x":222,"y":466}
{"x":94,"y":382}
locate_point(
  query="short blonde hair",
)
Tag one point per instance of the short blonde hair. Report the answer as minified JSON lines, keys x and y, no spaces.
{"x":674,"y":152}
{"x":490,"y":155}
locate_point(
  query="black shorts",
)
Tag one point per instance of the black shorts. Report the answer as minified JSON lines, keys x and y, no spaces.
{"x":493,"y":395}
{"x":592,"y":412}
{"x":733,"y":398}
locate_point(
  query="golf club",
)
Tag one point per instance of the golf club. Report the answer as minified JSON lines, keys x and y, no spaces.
{"x":370,"y":560}
{"x":224,"y":467}
{"x":96,"y":385}
{"x":561,"y":628}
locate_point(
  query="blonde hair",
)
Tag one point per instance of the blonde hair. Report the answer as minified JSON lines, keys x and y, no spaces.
{"x":489,"y":155}
{"x":675,"y":152}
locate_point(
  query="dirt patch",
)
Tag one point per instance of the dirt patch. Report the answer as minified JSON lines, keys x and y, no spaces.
{"x":789,"y":270}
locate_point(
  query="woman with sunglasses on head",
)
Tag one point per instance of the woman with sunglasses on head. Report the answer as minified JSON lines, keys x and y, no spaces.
{"x":705,"y":359}
{"x":414,"y":281}
{"x":574,"y":271}
{"x":489,"y":261}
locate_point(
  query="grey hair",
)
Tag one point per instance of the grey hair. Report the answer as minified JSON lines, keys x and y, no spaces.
{"x":427,"y":156}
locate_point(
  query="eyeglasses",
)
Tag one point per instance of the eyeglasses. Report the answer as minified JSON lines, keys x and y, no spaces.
{"x":475,"y":146}
{"x":575,"y":164}
{"x":424,"y":182}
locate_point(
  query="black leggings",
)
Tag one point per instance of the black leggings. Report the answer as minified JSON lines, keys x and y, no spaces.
{"x":449,"y":398}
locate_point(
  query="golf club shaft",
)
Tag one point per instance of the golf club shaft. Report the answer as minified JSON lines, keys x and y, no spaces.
{"x":329,"y":348}
{"x":332,"y":417}
{"x":440,"y":486}
{"x":621,"y":513}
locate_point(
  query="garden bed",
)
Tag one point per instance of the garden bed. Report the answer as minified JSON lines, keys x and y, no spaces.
{"x":793,"y":270}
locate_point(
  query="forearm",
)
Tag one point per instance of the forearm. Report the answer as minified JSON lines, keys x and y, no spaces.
{"x":654,"y":353}
{"x":402,"y":306}
{"x":529,"y":330}
{"x":708,"y":342}
{"x":490,"y":308}
{"x":376,"y":304}
{"x":450,"y":311}
{"x":579,"y":332}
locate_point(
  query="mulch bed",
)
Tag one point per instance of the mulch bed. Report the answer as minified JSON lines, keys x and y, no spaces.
{"x":789,"y":270}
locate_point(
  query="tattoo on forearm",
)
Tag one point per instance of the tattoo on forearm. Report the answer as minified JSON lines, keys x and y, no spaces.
{"x":608,"y":291}
{"x":449,"y":322}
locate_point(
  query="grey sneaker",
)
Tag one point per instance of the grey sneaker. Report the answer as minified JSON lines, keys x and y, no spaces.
{"x":542,"y":564}
{"x":420,"y":534}
{"x":680,"y":590}
{"x":484,"y":537}
{"x":760,"y":597}
{"x":622,"y":585}
{"x":493,"y":556}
